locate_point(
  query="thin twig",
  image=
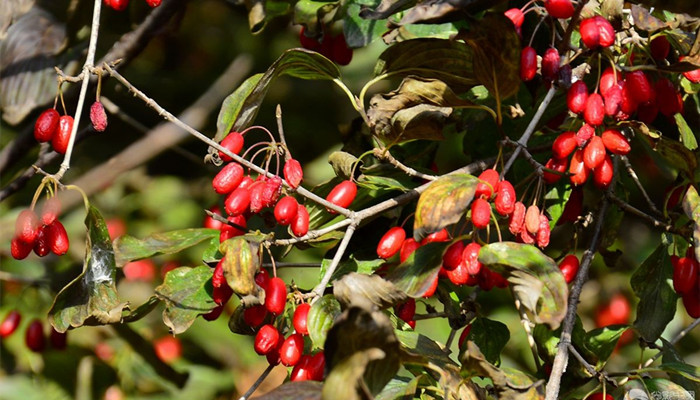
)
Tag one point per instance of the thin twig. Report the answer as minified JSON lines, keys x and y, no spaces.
{"x":675,"y":340}
{"x":321,"y":287}
{"x":419,"y":317}
{"x":385,"y":155}
{"x":635,"y":178}
{"x":257,"y":383}
{"x":653,"y":221}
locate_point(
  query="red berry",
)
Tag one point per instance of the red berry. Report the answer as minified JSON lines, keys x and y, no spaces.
{"x":262,"y":278}
{"x":58,"y":340}
{"x":291,"y":349}
{"x":293,"y":173}
{"x":19,"y":249}
{"x":528,"y":63}
{"x":27,"y":226}
{"x":615,"y":142}
{"x":647,"y":112}
{"x":517,"y":218}
{"x":555,"y":164}
{"x":659,"y":48}
{"x":543,"y":233}
{"x":228,"y":231}
{"x":257,"y":203}
{"x":559,"y":8}
{"x":301,"y":371}
{"x":594,"y":152}
{"x":342,"y":195}
{"x":590,"y":34}
{"x":301,"y":315}
{"x":276,"y":296}
{"x":46,"y":125}
{"x":168,"y":348}
{"x":487,"y":183}
{"x":57,"y":238}
{"x":10,"y":323}
{"x":564,"y":145}
{"x":50,"y":210}
{"x":609,"y":78}
{"x":691,"y":301}
{"x":569,"y":267}
{"x":431,"y":290}
{"x":34,"y":336}
{"x":340,"y":53}
{"x":210,"y":222}
{"x":215,"y":313}
{"x":576,"y":97}
{"x":98,"y":116}
{"x":117,"y":5}
{"x":574,"y":205}
{"x":316,"y":366}
{"x":613,"y":100}
{"x":228,"y":179}
{"x":607,"y":33}
{"x":453,"y":256}
{"x":406,"y":310}
{"x":639,"y":87}
{"x":481,"y":213}
{"x":685,"y":275}
{"x":60,"y":139}
{"x":407,"y":248}
{"x":599,"y":396}
{"x":515,"y":15}
{"x":668,"y":99}
{"x":693,"y":76}
{"x":628,"y":105}
{"x":266,"y":339}
{"x":464,"y":334}
{"x":286,"y":210}
{"x":271,"y":191}
{"x":254,"y":316}
{"x":505,"y":198}
{"x":238,"y":201}
{"x":300,"y":225}
{"x":42,"y":246}
{"x":460,"y":275}
{"x":141,"y":270}
{"x":273,"y":357}
{"x":550,"y":63}
{"x":440,"y":236}
{"x":532,"y":219}
{"x":577,"y":169}
{"x":470,"y":257}
{"x":486,"y":279}
{"x":233,"y":142}
{"x":391,"y":242}
{"x":153,"y":3}
{"x":595,"y":110}
{"x":602,"y":176}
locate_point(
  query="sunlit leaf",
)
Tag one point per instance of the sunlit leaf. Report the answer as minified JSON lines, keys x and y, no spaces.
{"x":241,"y":261}
{"x":418,"y":272}
{"x":657,"y":299}
{"x":128,"y":248}
{"x":602,"y":341}
{"x":187,"y":294}
{"x":687,"y":135}
{"x":491,"y":337}
{"x":691,"y":207}
{"x":418,"y":345}
{"x":443,"y":203}
{"x":350,"y":265}
{"x":320,"y":319}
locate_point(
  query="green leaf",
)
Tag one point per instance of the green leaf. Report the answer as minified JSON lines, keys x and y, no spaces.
{"x":417,"y":273}
{"x":358,"y":31}
{"x":535,"y":279}
{"x":240,"y":108}
{"x":556,"y":200}
{"x":313,"y":14}
{"x":671,"y":356}
{"x":416,"y":110}
{"x":305,"y":390}
{"x":384,"y":182}
{"x":602,"y":341}
{"x":128,"y":248}
{"x":240,"y":263}
{"x":657,"y":299}
{"x":491,"y":337}
{"x":356,"y":288}
{"x":443,"y":203}
{"x":187,"y":293}
{"x":447,"y":60}
{"x":687,"y":135}
{"x":320,"y":319}
{"x":91,"y":298}
{"x":343,"y":164}
{"x":675,"y":153}
{"x":663,"y":387}
{"x":345,"y":379}
{"x":358,"y":329}
{"x":237,"y":323}
{"x":418,"y":345}
{"x":496,"y":60}
{"x":345,"y":267}
{"x":399,"y":388}
{"x":691,"y":207}
{"x":685,"y":370}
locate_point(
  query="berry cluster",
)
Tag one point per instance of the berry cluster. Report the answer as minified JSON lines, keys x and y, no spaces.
{"x":34,"y":337}
{"x":121,"y":5}
{"x":333,"y":47}
{"x":686,"y":281}
{"x":51,"y":127}
{"x":41,"y":235}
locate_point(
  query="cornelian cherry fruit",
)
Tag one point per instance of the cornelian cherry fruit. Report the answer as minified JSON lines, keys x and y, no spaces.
{"x":391,"y":242}
{"x":286,"y":210}
{"x":342,"y":195}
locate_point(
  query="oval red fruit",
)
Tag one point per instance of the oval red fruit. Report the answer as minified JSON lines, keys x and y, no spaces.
{"x":286,"y":210}
{"x":470,"y":257}
{"x":342,"y":195}
{"x":291,"y":349}
{"x":609,"y":78}
{"x":341,"y":53}
{"x":668,"y":98}
{"x":238,"y":201}
{"x":10,"y":323}
{"x":254,"y":316}
{"x":576,"y":97}
{"x":606,"y":31}
{"x":659,"y":48}
{"x":98,"y":116}
{"x":27,"y":226}
{"x":559,"y":8}
{"x":42,"y":246}
{"x":407,"y":248}
{"x":19,"y":249}
{"x":555,"y":164}
{"x":639,"y":87}
{"x":505,"y":198}
{"x":262,"y":278}
{"x":50,"y":210}
{"x":488,"y":180}
{"x":463,"y":336}
{"x":543,"y":233}
{"x":569,"y":267}
{"x":564,"y":145}
{"x":602,"y":176}
{"x":615,"y":142}
{"x":550,"y":64}
{"x":58,"y":340}
{"x":46,"y":125}
{"x":594,"y":152}
{"x":301,"y":371}
{"x":266,"y":339}
{"x":391,"y":242}
{"x":60,"y":139}
{"x":613,"y":100}
{"x":691,"y":301}
{"x":577,"y":169}
{"x":460,"y":275}
{"x":228,"y":179}
{"x":301,"y":315}
{"x":693,"y":76}
{"x":153,"y":3}
{"x":57,"y":238}
{"x":594,"y":112}
{"x":276,"y":296}
{"x":406,"y":310}
{"x":481,"y":213}
{"x":590,"y":34}
{"x":300,"y":225}
{"x":517,"y":218}
{"x":685,"y":275}
{"x":573,"y":207}
{"x":293,"y":173}
{"x":453,"y":256}
{"x":532,"y":219}
{"x":440,"y":236}
{"x":228,"y":231}
{"x":528,"y":63}
{"x":34,"y":336}
{"x":233,"y":142}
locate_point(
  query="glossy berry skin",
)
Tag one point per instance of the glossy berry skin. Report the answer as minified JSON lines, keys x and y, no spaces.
{"x":555,"y":164}
{"x":60,"y":139}
{"x":532,"y":219}
{"x":453,"y":256}
{"x":271,"y":191}
{"x":262,"y":279}
{"x":594,"y":152}
{"x":27,"y":226}
{"x":238,"y":201}
{"x":10,"y":323}
{"x":276,"y":296}
{"x":292,"y":349}
{"x":117,"y":5}
{"x":58,"y":340}
{"x":597,"y":32}
{"x":406,"y":310}
{"x":606,"y":31}
{"x":57,"y":238}
{"x":608,"y":79}
{"x":603,"y":174}
{"x":613,"y":99}
{"x":391,"y":242}
{"x":286,"y":210}
{"x":342,"y":195}
{"x":98,"y":116}
{"x":41,"y":243}
{"x":254,"y":316}
{"x":463,"y":336}
{"x":668,"y":99}
{"x":300,"y":318}
{"x":517,"y":218}
{"x":460,"y":275}
{"x":233,"y":142}
{"x":46,"y":125}
{"x":470,"y":257}
{"x":515,"y":15}
{"x":301,"y":371}
{"x":576,"y":97}
{"x":550,"y":64}
{"x":659,"y":48}
{"x":229,"y":231}
{"x":505,"y":198}
{"x":594,"y":112}
{"x":569,"y":267}
{"x":293,"y":173}
{"x":693,"y":76}
{"x":639,"y":87}
{"x":481,"y":213}
{"x":407,"y":248}
{"x":577,"y":169}
{"x":488,"y":180}
{"x":528,"y":63}
{"x":564,"y":145}
{"x":559,"y":8}
{"x":34,"y":336}
{"x":431,"y":289}
{"x":19,"y":249}
{"x":266,"y":339}
{"x":300,"y":225}
{"x":685,"y":275}
{"x":615,"y":142}
{"x":440,"y":236}
{"x":341,"y":54}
